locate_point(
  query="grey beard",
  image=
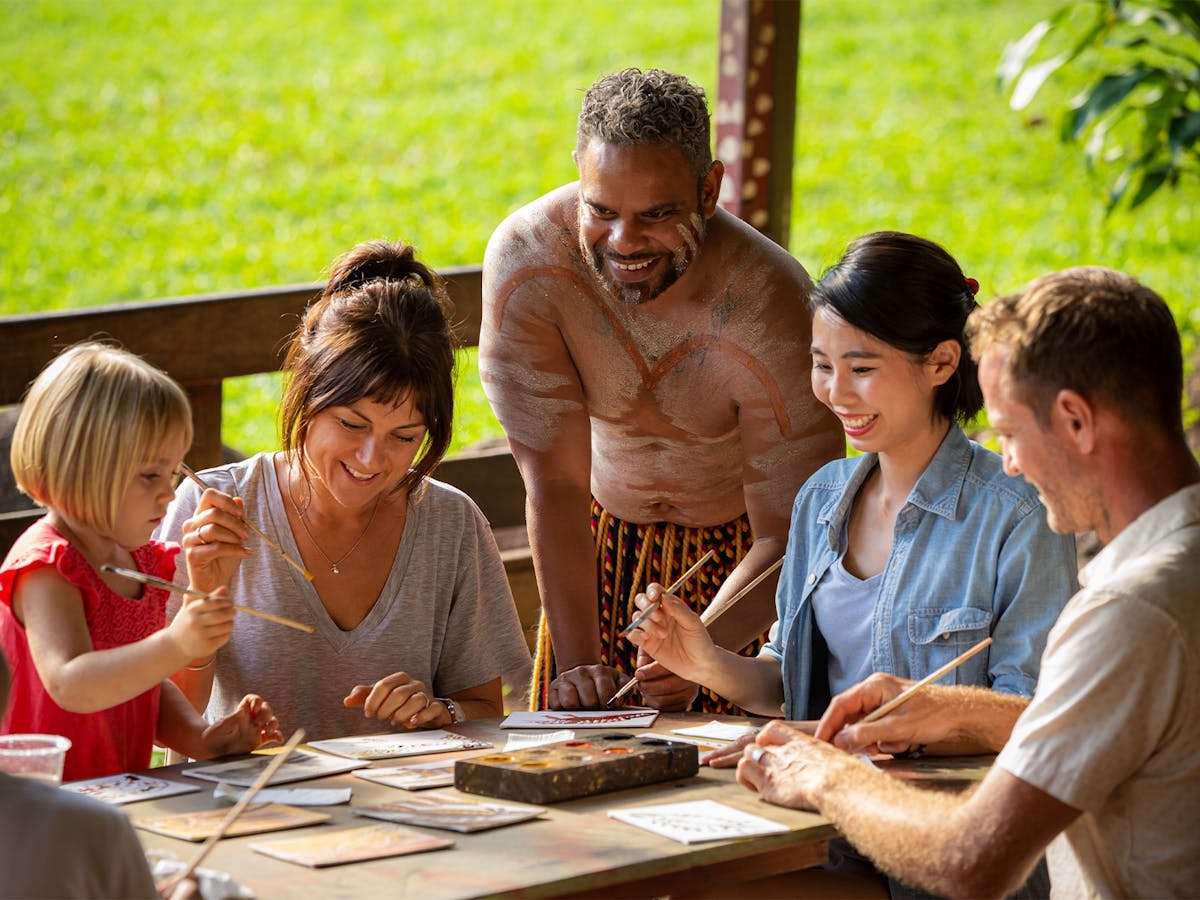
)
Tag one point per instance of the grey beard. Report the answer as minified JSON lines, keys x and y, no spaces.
{"x":634,"y":296}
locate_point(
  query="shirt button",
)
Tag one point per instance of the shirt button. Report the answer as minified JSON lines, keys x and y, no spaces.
{"x":812,"y":579}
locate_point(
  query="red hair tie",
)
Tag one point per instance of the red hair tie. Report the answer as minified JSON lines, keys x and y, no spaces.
{"x":973,"y":286}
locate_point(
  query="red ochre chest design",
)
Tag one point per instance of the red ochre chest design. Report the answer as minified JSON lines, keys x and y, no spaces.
{"x":651,"y":375}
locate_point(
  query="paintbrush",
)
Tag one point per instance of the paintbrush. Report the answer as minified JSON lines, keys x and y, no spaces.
{"x":192,"y":592}
{"x":299,"y":567}
{"x":237,"y":810}
{"x":715,"y":612}
{"x":672,"y":589}
{"x":629,"y":685}
{"x":933,"y":676}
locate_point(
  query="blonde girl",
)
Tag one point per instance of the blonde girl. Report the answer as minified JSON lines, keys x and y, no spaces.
{"x":100,"y":436}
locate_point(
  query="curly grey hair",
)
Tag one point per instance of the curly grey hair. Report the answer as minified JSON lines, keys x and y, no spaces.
{"x":651,"y":107}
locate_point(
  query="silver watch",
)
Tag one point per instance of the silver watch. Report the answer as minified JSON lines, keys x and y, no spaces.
{"x":456,"y":714}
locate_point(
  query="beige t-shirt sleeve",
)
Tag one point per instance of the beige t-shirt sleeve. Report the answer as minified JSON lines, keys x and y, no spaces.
{"x":1104,"y":700}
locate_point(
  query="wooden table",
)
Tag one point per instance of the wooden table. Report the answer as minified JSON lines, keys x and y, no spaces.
{"x":573,"y":849}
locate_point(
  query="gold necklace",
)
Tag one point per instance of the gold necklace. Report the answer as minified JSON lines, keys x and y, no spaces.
{"x":334,"y":564}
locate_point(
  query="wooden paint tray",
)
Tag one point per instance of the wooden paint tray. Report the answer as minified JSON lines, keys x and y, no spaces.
{"x":578,"y":768}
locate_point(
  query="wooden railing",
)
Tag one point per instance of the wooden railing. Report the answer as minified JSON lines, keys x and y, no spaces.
{"x":202,"y":340}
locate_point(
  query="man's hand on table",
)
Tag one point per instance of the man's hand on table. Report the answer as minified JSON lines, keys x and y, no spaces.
{"x":787,"y":767}
{"x":584,"y":687}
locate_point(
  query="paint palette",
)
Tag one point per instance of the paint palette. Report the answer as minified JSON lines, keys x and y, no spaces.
{"x":577,"y":768}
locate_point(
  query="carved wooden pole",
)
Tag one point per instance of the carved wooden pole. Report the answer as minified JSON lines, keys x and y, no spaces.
{"x":759,"y":58}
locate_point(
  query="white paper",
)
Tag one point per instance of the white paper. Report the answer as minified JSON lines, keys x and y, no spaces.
{"x":300,"y":766}
{"x":164,"y":865}
{"x":128,"y":788}
{"x":717,"y":731}
{"x":697,"y":821}
{"x":288,"y":796}
{"x":405,"y":743}
{"x":519,"y":740}
{"x":450,"y":813}
{"x":412,"y":777}
{"x":561,"y":719}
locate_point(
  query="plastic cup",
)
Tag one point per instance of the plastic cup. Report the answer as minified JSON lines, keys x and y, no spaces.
{"x":37,"y":756}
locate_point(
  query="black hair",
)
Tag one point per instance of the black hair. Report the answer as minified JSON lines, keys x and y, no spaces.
{"x":911,"y":294}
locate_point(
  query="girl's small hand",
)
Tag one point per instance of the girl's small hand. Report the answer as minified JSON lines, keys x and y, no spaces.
{"x":400,"y":701}
{"x":203,"y":625}
{"x":673,"y":635}
{"x":214,"y":540}
{"x":250,"y":726}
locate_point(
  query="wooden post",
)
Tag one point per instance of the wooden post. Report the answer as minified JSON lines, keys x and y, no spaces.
{"x":759,"y":58}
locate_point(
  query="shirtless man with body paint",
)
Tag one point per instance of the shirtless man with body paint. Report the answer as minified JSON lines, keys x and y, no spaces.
{"x":647,"y":355}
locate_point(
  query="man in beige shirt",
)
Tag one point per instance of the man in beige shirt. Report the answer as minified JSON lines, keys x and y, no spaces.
{"x":1082,"y":376}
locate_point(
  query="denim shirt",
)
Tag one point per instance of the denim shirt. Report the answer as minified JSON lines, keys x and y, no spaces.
{"x":972,"y":555}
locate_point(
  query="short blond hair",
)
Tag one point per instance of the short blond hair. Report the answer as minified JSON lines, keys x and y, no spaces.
{"x":1091,"y":330}
{"x":89,"y":420}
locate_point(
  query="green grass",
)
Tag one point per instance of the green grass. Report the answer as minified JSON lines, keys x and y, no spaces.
{"x":152,"y":149}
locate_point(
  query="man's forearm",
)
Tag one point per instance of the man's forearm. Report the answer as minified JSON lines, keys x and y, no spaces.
{"x":564,"y":562}
{"x":950,"y":719}
{"x":981,"y":720}
{"x":921,"y":837}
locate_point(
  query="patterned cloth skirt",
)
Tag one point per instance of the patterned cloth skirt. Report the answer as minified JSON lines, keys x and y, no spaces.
{"x":629,"y":558}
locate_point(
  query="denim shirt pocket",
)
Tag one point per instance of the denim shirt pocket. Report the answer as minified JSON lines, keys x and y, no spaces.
{"x":936,"y":636}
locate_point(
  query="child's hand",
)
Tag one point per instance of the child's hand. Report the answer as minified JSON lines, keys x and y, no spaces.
{"x":202,"y":626}
{"x":214,"y":540}
{"x":247,"y":728}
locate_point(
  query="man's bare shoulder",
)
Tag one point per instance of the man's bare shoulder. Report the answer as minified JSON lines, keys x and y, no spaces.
{"x":749,"y":279}
{"x":739,"y":249}
{"x":540,"y":233}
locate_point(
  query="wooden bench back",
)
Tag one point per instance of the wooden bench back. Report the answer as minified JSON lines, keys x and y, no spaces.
{"x":204,"y":339}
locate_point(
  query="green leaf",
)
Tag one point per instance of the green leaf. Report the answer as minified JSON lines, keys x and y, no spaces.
{"x":1183,"y":132}
{"x":1093,"y":150}
{"x":1117,"y":191}
{"x":1032,"y":80}
{"x":1134,"y":44}
{"x":1152,"y":180}
{"x":1174,"y":16}
{"x":1016,"y":56}
{"x":1104,"y":95}
{"x":1018,"y":53}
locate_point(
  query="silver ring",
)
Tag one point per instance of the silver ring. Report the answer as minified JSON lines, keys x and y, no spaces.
{"x":757,"y":753}
{"x":200,"y":535}
{"x":428,"y":701}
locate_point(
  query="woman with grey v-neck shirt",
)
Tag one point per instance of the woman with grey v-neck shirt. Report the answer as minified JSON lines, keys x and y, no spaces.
{"x":414,"y":621}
